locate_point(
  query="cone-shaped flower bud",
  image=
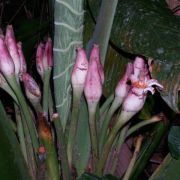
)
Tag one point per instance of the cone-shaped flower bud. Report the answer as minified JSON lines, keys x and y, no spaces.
{"x":79,"y":71}
{"x":6,"y":63}
{"x":48,"y":57}
{"x":122,"y":87}
{"x":23,"y":67}
{"x":39,"y":59}
{"x":95,"y":55}
{"x":12,"y":47}
{"x":93,"y":84}
{"x":31,"y":88}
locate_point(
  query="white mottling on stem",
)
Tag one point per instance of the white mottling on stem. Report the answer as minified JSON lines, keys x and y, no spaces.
{"x":69,"y":27}
{"x":63,"y":72}
{"x":70,"y":8}
{"x":64,"y":50}
{"x":65,"y":99}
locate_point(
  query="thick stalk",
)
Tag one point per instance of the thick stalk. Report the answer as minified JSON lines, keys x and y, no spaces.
{"x":46,"y":85}
{"x":134,"y":157}
{"x":107,"y":147}
{"x":73,"y":125}
{"x":93,"y":134}
{"x":62,"y":145}
{"x":25,"y":110}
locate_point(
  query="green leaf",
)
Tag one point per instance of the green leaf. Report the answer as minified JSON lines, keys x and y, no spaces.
{"x":103,"y":27}
{"x":174,"y":141}
{"x":149,"y":28}
{"x":68,"y":30}
{"x":148,"y":149}
{"x":88,"y":176}
{"x":12,"y":164}
{"x":82,"y":144}
{"x":168,"y":170}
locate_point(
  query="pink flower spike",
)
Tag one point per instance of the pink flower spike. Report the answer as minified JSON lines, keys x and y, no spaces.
{"x":95,"y":55}
{"x":12,"y":47}
{"x":32,"y":89}
{"x":79,"y":71}
{"x":6,"y":63}
{"x":23,"y":66}
{"x":39,"y":59}
{"x":48,"y":57}
{"x":122,"y":87}
{"x":93,"y":84}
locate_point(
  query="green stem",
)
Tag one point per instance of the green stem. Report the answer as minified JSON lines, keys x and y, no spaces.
{"x":51,"y":160}
{"x":143,"y":123}
{"x":32,"y":158}
{"x":8,"y":89}
{"x":51,"y":103}
{"x":62,"y":144}
{"x":25,"y":109}
{"x":133,"y":159}
{"x":73,"y":125}
{"x":105,"y":124}
{"x":93,"y":134}
{"x":120,"y":141}
{"x":106,"y":104}
{"x":20,"y":132}
{"x":46,"y":85}
{"x":107,"y":147}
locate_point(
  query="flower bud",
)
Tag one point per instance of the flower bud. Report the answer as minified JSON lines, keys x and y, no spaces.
{"x":47,"y":57}
{"x":31,"y":88}
{"x":95,"y":55}
{"x":12,"y":47}
{"x":79,"y":71}
{"x":39,"y":59}
{"x":6,"y":63}
{"x":122,"y":87}
{"x":23,"y":67}
{"x":93,"y":84}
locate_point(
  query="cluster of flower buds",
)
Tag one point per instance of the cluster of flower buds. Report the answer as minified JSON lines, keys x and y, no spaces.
{"x":141,"y":84}
{"x":44,"y":57}
{"x":13,"y":63}
{"x":88,"y":76}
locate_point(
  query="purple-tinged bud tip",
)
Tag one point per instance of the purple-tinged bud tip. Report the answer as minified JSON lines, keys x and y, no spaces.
{"x":95,"y":55}
{"x":39,"y":59}
{"x":23,"y":66}
{"x":48,"y":57}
